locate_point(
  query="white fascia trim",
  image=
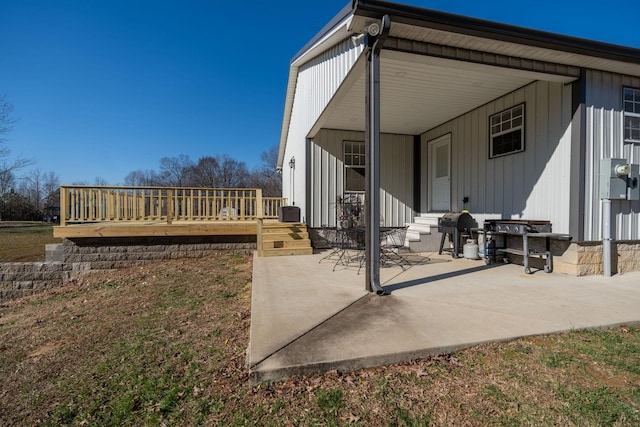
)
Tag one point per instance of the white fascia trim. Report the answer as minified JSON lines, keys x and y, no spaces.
{"x":333,"y":37}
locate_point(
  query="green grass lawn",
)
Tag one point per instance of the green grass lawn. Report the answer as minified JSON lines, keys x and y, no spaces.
{"x":165,"y":344}
{"x":24,"y":241}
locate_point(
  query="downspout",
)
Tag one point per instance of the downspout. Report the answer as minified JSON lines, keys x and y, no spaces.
{"x":375,"y":40}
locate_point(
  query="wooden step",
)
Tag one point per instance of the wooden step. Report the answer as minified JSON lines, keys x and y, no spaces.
{"x":286,"y":251}
{"x":286,"y":244}
{"x":285,"y":236}
{"x":280,"y":238}
{"x":283,"y":229}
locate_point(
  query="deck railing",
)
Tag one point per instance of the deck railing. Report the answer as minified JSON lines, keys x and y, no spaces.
{"x":83,"y":204}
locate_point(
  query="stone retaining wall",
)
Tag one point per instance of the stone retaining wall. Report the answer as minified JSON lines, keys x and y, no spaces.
{"x":75,"y":258}
{"x":18,"y":279}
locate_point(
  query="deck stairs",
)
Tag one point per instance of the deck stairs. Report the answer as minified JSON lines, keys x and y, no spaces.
{"x":283,"y":238}
{"x":422,"y":233}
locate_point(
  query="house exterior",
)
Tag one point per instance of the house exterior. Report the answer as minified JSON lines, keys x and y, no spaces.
{"x":503,"y":121}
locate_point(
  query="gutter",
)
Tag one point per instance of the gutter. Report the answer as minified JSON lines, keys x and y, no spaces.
{"x":426,"y":18}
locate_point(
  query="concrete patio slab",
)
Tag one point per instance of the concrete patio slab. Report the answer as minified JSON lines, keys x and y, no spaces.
{"x":308,"y":319}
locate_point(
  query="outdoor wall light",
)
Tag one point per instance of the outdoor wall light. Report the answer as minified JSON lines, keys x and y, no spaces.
{"x":373,"y":29}
{"x":292,"y":168}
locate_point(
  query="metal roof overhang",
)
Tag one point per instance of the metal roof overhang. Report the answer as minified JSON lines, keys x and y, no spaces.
{"x":436,"y":66}
{"x":418,"y":92}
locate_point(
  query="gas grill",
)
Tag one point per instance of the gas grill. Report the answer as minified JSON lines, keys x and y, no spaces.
{"x":525,"y":228}
{"x":517,"y":226}
{"x":454,"y":225}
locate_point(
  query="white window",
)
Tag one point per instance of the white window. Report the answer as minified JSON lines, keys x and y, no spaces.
{"x":354,"y":163}
{"x":506,"y":132}
{"x":631,"y":115}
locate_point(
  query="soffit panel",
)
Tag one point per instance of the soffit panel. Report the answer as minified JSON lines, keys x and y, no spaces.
{"x":418,"y":92}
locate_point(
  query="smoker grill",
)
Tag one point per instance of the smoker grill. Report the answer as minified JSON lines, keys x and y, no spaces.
{"x":454,"y":225}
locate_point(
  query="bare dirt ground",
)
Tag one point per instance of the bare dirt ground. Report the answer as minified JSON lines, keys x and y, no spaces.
{"x":164,"y":344}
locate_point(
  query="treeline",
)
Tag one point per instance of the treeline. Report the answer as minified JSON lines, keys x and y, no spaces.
{"x":33,"y":197}
{"x":220,"y":171}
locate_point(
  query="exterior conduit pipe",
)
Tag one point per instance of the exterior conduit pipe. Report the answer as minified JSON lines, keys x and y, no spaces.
{"x":606,"y":237}
{"x":375,"y":40}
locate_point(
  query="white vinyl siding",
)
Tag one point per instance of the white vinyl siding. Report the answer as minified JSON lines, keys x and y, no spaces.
{"x":327,"y":176}
{"x":532,"y":184}
{"x":604,"y":135}
{"x":317,"y":82}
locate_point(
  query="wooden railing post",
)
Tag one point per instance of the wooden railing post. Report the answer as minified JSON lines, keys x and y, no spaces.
{"x":259,"y":204}
{"x":64,"y":209}
{"x":169,"y":206}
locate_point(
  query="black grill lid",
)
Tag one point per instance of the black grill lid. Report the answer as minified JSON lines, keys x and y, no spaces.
{"x":459,"y":220}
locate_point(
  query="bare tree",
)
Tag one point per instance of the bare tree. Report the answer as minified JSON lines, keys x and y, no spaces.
{"x":204,"y":173}
{"x":266,"y":176}
{"x":6,"y":119}
{"x":31,"y":187}
{"x":174,"y":171}
{"x":140,"y":178}
{"x":6,"y":125}
{"x":7,"y":181}
{"x":51,"y":189}
{"x":99,"y":181}
{"x":233,"y":174}
{"x":218,"y":172}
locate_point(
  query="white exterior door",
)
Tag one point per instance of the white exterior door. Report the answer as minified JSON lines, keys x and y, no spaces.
{"x":440,"y":165}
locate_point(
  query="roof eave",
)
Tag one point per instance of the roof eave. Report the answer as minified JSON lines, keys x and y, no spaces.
{"x":427,"y":18}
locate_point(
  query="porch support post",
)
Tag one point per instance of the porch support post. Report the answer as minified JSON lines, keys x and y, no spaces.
{"x":372,"y":144}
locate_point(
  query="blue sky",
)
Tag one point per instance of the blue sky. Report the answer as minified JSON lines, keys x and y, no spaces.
{"x":105,"y":88}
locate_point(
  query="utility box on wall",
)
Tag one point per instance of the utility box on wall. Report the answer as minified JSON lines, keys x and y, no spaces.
{"x":619,"y":180}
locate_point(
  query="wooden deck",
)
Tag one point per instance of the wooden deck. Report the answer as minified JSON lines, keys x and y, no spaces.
{"x":157,"y":229}
{"x":276,"y":238}
{"x":131,"y":212}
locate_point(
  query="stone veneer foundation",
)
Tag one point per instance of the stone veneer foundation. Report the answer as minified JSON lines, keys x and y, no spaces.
{"x":582,"y":258}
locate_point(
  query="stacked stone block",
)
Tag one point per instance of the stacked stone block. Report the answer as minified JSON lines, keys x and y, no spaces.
{"x":74,"y":259}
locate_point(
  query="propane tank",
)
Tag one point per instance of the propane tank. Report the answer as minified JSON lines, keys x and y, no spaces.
{"x":491,"y":248}
{"x":470,"y":249}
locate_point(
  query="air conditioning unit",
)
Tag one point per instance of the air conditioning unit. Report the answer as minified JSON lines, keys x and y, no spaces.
{"x":289,"y":214}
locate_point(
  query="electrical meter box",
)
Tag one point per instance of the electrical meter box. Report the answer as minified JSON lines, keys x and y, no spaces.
{"x":619,"y":180}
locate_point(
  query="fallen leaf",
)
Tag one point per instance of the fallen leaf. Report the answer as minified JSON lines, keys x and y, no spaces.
{"x":422,"y":373}
{"x":352,"y":418}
